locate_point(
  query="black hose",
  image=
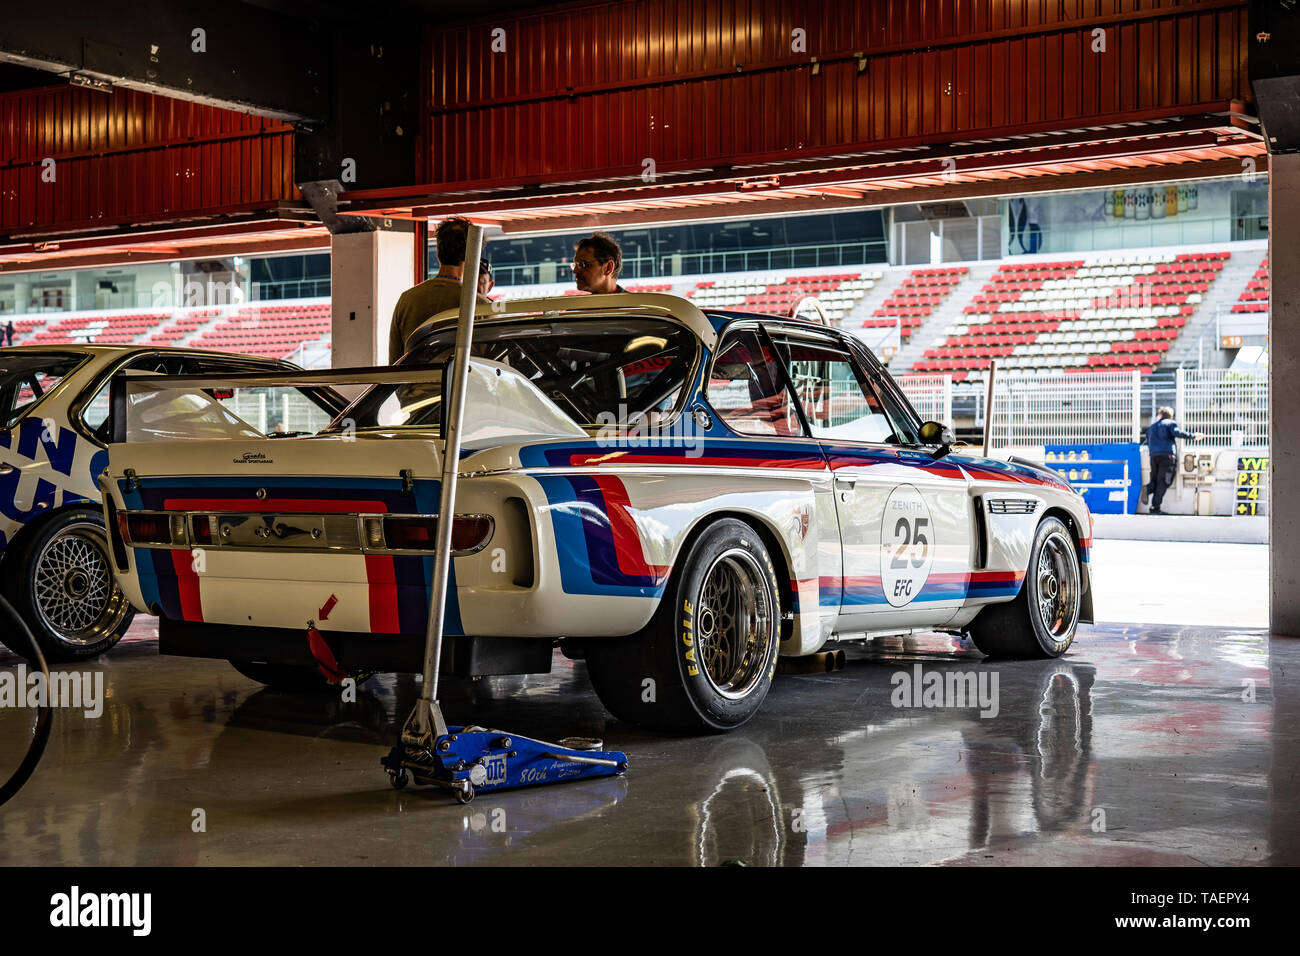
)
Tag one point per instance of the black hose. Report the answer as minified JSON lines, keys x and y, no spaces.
{"x":41,"y":734}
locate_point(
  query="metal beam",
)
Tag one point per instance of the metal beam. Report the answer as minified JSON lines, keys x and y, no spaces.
{"x":883,"y":198}
{"x":233,"y":55}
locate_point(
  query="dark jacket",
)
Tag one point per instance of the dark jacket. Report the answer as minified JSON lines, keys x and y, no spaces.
{"x":1161,"y":435}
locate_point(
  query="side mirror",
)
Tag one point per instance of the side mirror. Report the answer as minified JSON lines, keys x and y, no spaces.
{"x":933,"y":433}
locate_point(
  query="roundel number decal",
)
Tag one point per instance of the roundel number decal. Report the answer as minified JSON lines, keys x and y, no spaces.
{"x":906,"y":545}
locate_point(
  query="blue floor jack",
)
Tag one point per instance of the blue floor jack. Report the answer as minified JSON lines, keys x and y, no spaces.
{"x":466,"y":760}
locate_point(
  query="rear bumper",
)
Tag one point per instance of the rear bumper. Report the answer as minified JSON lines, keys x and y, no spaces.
{"x":356,"y":652}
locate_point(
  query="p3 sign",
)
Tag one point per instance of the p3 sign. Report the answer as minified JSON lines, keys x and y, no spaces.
{"x":906,"y":545}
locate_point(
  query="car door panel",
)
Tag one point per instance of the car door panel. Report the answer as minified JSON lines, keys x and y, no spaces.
{"x":905,"y":520}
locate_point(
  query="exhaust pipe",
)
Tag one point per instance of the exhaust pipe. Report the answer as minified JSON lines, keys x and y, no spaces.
{"x":823,"y":662}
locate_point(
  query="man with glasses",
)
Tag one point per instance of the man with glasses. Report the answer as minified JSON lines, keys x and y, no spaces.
{"x":597,"y":261}
{"x":438,"y":294}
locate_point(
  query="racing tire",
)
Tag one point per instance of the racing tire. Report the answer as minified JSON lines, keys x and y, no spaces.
{"x":705,"y":661}
{"x":62,"y":584}
{"x":290,"y":677}
{"x":1042,"y":619}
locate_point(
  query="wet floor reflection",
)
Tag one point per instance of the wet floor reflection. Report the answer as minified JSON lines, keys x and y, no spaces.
{"x":1145,"y":745}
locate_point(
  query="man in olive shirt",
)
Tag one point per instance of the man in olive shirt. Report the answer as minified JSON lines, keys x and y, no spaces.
{"x":435,"y":295}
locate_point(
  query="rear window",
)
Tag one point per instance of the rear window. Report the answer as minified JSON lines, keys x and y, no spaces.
{"x":599,"y":372}
{"x":26,"y":378}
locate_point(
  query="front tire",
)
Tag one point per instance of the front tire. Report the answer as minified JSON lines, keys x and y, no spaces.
{"x":1042,"y":620}
{"x":64,"y":589}
{"x":705,"y":661}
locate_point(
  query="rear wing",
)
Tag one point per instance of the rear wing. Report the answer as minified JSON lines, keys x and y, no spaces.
{"x":500,"y":402}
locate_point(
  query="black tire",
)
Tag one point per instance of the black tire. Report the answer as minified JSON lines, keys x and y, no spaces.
{"x":1042,"y":620}
{"x":700,"y":682}
{"x":62,"y":584}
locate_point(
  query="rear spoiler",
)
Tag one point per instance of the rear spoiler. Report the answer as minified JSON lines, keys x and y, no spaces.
{"x":133,"y":381}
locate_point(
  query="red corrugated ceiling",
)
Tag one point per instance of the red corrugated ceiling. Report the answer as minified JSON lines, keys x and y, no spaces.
{"x":598,"y":89}
{"x":128,"y":157}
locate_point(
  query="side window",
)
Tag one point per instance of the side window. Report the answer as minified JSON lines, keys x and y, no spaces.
{"x":896,"y":406}
{"x":839,"y":405}
{"x":747,"y":391}
{"x":96,"y":413}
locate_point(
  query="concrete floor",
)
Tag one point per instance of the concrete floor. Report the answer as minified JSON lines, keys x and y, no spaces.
{"x":1137,"y":748}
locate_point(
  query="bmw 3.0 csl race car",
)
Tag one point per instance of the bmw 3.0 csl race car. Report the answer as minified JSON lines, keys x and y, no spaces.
{"x":54,"y":422}
{"x":677,"y":497}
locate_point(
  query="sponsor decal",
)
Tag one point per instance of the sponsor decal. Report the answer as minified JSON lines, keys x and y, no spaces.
{"x":906,"y":545}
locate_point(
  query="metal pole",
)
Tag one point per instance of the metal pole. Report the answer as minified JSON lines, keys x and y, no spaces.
{"x":428,"y":715}
{"x":1180,"y":408}
{"x":988,"y":406}
{"x":1137,"y":406}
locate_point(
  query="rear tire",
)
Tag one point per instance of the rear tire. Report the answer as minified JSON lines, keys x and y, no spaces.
{"x":63,"y":587}
{"x":705,"y":661}
{"x":1042,"y":619}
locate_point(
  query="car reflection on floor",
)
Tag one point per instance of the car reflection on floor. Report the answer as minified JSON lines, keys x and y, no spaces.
{"x":1138,"y":747}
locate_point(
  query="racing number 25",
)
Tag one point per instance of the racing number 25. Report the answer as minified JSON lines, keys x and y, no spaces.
{"x":912,"y":533}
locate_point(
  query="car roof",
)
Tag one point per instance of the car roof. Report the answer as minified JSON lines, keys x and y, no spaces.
{"x":705,"y":324}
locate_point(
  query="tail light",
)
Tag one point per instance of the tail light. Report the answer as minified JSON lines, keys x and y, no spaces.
{"x":469,"y":533}
{"x":202,"y":530}
{"x":152,"y":527}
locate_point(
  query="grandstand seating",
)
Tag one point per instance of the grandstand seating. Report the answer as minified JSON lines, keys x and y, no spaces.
{"x":916,"y":299}
{"x":100,"y":327}
{"x":1117,"y":312}
{"x":181,"y":324}
{"x":273,"y":331}
{"x":837,"y":293}
{"x":1254,"y":298}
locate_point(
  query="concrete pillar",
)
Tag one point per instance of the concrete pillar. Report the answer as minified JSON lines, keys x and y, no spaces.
{"x":1284,"y":372}
{"x":368,"y":272}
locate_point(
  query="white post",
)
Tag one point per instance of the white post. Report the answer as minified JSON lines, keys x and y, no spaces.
{"x":988,"y":407}
{"x":1137,"y":406}
{"x":1180,"y":403}
{"x":947,"y":399}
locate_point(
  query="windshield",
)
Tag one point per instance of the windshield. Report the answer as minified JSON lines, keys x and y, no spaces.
{"x":25,"y":379}
{"x":599,"y":372}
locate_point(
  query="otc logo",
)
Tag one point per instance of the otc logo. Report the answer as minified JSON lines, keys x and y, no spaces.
{"x":906,"y":545}
{"x":494,"y":770}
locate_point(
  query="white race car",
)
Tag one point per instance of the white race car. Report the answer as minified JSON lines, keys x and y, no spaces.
{"x":54,"y":420}
{"x":677,"y":497}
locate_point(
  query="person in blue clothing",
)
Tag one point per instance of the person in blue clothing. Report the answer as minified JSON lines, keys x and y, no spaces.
{"x":1160,"y":445}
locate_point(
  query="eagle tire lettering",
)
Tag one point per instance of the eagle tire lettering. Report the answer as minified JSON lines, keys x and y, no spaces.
{"x":688,"y":639}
